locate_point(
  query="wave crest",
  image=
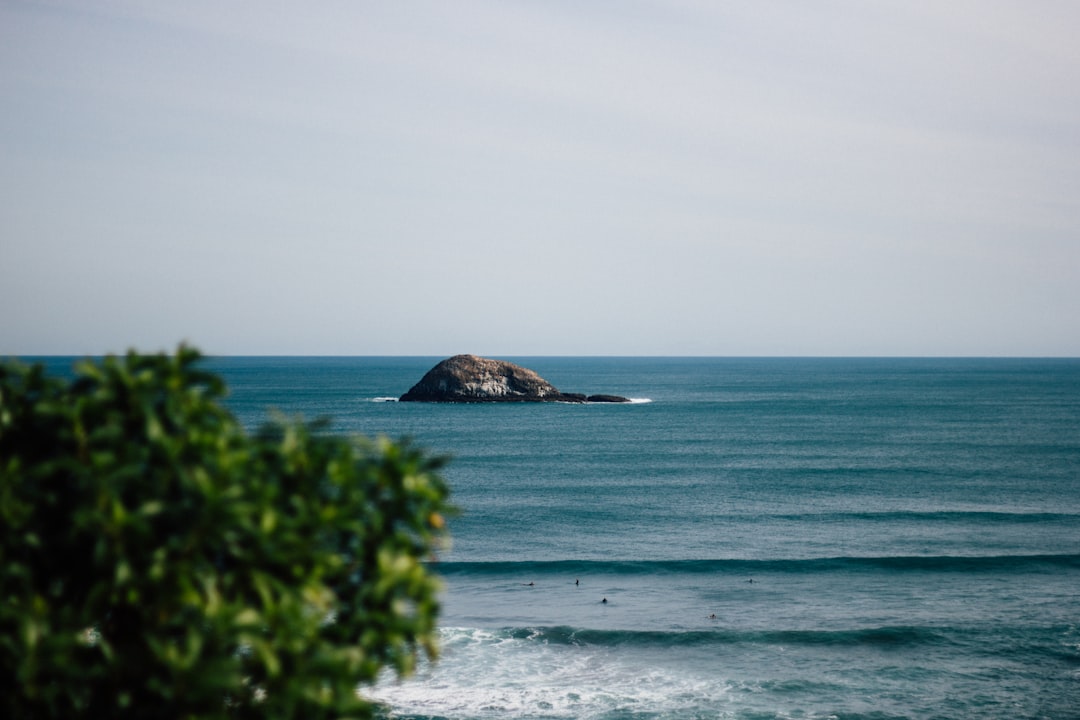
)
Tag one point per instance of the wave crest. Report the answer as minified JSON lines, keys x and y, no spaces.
{"x":949,"y":563}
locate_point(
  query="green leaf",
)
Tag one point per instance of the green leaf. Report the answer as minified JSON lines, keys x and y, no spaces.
{"x":157,"y":556}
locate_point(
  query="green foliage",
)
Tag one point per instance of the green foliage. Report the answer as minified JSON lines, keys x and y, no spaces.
{"x":158,"y":561}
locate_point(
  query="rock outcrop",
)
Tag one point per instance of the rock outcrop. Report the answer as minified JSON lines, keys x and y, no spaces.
{"x":467,"y":378}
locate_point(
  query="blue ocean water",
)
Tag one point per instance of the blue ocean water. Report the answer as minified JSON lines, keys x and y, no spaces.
{"x":774,"y":538}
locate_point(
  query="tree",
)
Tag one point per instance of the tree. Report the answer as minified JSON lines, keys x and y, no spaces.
{"x":158,"y":561}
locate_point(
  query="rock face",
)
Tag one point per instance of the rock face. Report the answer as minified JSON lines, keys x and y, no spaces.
{"x":467,"y":378}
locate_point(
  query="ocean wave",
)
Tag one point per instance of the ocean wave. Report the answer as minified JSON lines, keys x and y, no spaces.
{"x":891,"y":516}
{"x":942,"y":563}
{"x":383,"y":399}
{"x":511,"y":674}
{"x":552,"y":672}
{"x":888,"y":636}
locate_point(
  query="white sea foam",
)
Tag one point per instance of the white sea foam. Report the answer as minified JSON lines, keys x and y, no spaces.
{"x":484,"y":674}
{"x":384,"y":399}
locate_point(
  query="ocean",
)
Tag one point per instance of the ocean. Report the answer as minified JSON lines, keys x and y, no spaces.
{"x":751,"y":538}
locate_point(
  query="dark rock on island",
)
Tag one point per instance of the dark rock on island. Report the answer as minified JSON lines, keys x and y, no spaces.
{"x":467,"y":378}
{"x":606,"y":398}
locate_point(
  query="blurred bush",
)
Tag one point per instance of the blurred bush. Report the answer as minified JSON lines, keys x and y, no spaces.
{"x":158,"y":561}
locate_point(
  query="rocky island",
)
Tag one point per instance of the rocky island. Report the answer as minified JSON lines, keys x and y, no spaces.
{"x":468,"y":378}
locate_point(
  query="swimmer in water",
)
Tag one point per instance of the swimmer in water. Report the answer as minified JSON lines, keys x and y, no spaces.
{"x":604,"y":601}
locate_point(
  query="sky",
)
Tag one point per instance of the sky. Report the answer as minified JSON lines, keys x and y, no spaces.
{"x":585,"y":177}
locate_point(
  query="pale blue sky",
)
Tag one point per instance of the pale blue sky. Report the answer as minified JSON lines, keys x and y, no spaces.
{"x":541,"y":178}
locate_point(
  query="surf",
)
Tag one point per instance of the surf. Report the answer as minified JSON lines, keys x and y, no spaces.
{"x":567,"y":569}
